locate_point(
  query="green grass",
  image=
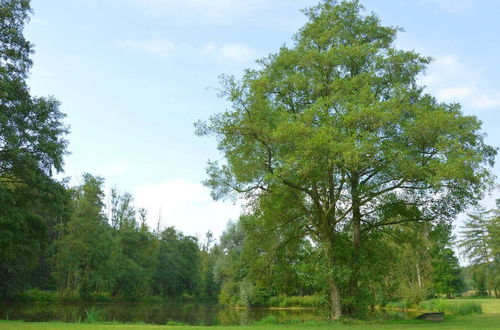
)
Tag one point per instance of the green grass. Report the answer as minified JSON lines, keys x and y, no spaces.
{"x":483,"y":321}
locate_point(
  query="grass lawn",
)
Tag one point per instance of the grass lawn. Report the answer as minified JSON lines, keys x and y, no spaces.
{"x":490,"y":319}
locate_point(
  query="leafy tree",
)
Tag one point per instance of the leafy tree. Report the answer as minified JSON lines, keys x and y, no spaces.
{"x":32,"y":145}
{"x":480,"y":244}
{"x":134,"y":258}
{"x":445,"y":267}
{"x":337,"y":131}
{"x":31,"y":129}
{"x":230,"y":269}
{"x":178,"y":264}
{"x":82,"y":260}
{"x":209,"y":252}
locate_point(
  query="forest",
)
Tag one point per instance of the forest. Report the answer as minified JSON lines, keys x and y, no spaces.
{"x":352,"y":178}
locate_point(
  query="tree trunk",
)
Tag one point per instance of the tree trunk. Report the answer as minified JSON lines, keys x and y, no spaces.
{"x":356,"y":240}
{"x":418,"y":276}
{"x":335,"y":306}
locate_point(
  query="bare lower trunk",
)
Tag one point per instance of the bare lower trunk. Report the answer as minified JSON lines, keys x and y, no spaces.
{"x":356,"y":240}
{"x":418,"y":276}
{"x":335,"y":307}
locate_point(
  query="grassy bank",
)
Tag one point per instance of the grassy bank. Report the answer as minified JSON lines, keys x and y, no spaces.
{"x":484,"y":321}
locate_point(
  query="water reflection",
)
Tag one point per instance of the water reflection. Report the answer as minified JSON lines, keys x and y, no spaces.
{"x":188,"y":313}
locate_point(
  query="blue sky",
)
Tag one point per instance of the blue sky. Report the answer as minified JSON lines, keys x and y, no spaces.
{"x":134,"y":75}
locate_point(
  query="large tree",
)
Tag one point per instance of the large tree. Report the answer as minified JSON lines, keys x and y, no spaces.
{"x":32,"y":141}
{"x":32,"y":146}
{"x":335,"y":135}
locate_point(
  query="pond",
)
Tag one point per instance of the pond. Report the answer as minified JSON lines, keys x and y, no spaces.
{"x":200,"y":313}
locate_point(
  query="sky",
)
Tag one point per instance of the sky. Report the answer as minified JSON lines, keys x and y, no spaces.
{"x":134,"y":75}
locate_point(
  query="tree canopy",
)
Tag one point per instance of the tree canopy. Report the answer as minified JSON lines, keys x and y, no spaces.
{"x":32,"y":146}
{"x":334,"y":136}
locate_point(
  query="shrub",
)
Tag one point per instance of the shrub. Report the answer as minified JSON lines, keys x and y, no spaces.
{"x":36,"y":295}
{"x":402,"y":304}
{"x":296,"y":301}
{"x":456,"y":308}
{"x":92,"y":315}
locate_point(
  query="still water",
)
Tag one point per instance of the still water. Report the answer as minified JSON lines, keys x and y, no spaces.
{"x":188,"y":313}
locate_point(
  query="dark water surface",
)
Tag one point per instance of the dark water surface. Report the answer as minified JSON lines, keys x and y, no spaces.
{"x":189,"y":313}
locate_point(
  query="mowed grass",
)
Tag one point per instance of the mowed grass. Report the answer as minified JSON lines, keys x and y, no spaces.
{"x":490,"y":319}
{"x":483,"y":321}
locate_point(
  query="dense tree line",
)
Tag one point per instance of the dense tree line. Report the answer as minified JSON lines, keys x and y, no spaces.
{"x":120,"y":255}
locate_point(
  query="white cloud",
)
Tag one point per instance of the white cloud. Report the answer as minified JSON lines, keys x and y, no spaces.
{"x":451,"y":6}
{"x":237,"y":52}
{"x":451,"y":81}
{"x":210,"y":8}
{"x":186,"y":205}
{"x":158,"y":47}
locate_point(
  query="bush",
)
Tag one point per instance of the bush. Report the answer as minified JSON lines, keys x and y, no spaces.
{"x":36,"y":295}
{"x":456,"y":308}
{"x":296,"y":301}
{"x":92,"y":315}
{"x":402,"y":304}
{"x":250,"y":295}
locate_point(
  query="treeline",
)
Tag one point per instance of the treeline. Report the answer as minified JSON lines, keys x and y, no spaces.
{"x":88,"y":251}
{"x":82,"y":248}
{"x":59,"y":238}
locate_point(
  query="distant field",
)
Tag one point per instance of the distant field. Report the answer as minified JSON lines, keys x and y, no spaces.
{"x":490,"y":319}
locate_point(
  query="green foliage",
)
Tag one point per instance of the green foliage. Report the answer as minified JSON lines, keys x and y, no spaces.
{"x":92,"y":315}
{"x":32,"y":146}
{"x":82,"y":260}
{"x":332,"y":137}
{"x":135,"y":256}
{"x":460,"y":308}
{"x":297,"y":301}
{"x":402,"y":304}
{"x":481,"y":245}
{"x":209,"y":253}
{"x":445,"y":267}
{"x":178,"y":264}
{"x":37,"y":295}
